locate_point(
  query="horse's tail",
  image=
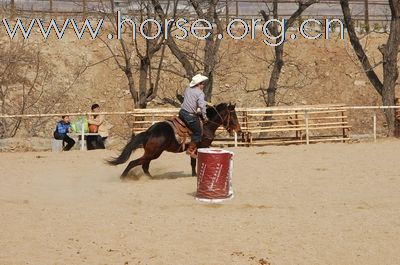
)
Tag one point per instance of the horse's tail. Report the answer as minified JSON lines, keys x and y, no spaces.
{"x":133,"y":144}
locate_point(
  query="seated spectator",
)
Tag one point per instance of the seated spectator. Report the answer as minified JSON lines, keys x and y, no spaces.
{"x":98,"y":124}
{"x":62,"y":128}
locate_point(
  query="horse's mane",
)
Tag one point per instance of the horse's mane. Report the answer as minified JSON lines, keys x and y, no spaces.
{"x":212,"y":111}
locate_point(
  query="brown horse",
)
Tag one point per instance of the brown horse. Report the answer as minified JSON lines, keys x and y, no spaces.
{"x":160,"y":137}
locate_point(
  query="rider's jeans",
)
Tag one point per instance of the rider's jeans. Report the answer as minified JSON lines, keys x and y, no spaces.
{"x":193,"y":122}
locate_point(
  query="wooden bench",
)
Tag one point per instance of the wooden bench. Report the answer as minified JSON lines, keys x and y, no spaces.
{"x":81,"y":137}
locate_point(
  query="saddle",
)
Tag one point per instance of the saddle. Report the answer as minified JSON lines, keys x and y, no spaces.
{"x":182,"y":133}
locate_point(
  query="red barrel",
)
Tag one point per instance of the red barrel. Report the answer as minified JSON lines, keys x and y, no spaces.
{"x":214,"y":174}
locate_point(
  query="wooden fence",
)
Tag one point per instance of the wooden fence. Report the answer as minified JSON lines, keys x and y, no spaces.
{"x":260,"y":126}
{"x":265,"y":126}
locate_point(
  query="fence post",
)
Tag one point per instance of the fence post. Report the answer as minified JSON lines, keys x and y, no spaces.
{"x":83,"y":136}
{"x":307,"y":129}
{"x":236,"y":142}
{"x":344,"y":124}
{"x":246,"y":124}
{"x":366,"y":16}
{"x":226,"y":12}
{"x":237,"y":9}
{"x":85,"y":8}
{"x":374,"y":121}
{"x":298,"y":133}
{"x":13,"y":9}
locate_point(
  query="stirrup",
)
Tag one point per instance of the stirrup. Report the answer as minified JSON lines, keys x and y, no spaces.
{"x":192,"y":150}
{"x":193,"y":155}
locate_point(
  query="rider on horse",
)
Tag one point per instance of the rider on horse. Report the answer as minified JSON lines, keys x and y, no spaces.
{"x":194,"y":99}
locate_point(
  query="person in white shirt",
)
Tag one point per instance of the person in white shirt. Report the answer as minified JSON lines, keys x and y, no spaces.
{"x":193,"y":100}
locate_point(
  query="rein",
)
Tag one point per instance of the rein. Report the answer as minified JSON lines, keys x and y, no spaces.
{"x":222,"y":119}
{"x":211,"y":137}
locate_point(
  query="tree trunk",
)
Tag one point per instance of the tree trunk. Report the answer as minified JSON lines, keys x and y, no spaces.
{"x":358,"y":49}
{"x":131,"y":85}
{"x":209,"y":86}
{"x":144,"y":72}
{"x":390,"y":50}
{"x":12,"y":4}
{"x":390,"y":71}
{"x":210,"y":49}
{"x":176,"y":51}
{"x":387,"y":100}
{"x":209,"y":65}
{"x":269,"y":98}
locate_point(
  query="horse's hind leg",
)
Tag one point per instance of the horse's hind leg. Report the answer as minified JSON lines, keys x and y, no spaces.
{"x":152,"y":150}
{"x":147,"y":157}
{"x":193,"y":164}
{"x":131,"y":165}
{"x":145,"y":167}
{"x":144,"y":161}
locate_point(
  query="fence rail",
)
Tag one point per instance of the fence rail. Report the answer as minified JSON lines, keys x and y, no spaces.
{"x":367,"y":11}
{"x":260,"y":126}
{"x":174,"y":110}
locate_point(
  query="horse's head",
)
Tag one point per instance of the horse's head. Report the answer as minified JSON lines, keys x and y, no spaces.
{"x":227,"y":116}
{"x":233,"y":122}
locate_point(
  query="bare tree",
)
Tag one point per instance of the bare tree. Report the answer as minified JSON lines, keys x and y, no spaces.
{"x":132,"y":55}
{"x":211,"y":46}
{"x":389,"y":51}
{"x":213,"y":42}
{"x":270,"y":92}
{"x":28,"y":84}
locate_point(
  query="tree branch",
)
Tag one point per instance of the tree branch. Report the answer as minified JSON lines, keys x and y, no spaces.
{"x":355,"y":42}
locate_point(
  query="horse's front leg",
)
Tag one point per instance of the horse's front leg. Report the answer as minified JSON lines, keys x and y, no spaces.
{"x":193,"y":163}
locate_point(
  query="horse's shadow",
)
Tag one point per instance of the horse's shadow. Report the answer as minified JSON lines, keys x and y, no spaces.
{"x":192,"y":194}
{"x":168,"y":175}
{"x":172,"y":175}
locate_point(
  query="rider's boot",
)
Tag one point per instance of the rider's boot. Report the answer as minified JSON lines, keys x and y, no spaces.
{"x":192,"y":150}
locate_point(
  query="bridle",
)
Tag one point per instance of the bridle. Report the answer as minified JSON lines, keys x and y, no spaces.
{"x":222,"y":119}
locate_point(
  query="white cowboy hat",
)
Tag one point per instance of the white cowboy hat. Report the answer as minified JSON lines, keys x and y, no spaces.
{"x":197,"y":79}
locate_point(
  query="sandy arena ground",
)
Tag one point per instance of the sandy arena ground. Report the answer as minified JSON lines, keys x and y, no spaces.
{"x":321,"y":204}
